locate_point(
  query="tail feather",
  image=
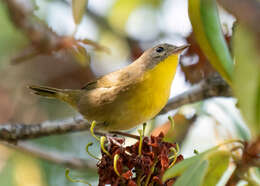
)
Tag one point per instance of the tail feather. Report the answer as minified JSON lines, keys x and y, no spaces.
{"x":70,"y":96}
{"x":47,"y":91}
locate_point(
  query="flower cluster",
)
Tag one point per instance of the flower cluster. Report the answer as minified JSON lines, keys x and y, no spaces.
{"x":137,"y":165}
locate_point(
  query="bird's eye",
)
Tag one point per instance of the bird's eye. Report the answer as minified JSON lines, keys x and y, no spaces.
{"x":159,"y":49}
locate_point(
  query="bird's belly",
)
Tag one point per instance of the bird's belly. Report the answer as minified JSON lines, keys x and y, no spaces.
{"x":145,"y":106}
{"x":135,"y":106}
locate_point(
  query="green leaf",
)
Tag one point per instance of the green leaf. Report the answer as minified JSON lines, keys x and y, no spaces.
{"x":182,"y":166}
{"x":247,"y":76}
{"x":205,"y":168}
{"x":78,"y":10}
{"x":179,"y":168}
{"x":194,"y":175}
{"x":207,"y":29}
{"x":218,"y":164}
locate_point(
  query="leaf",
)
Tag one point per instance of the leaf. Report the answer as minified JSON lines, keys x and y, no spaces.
{"x":207,"y":29}
{"x":199,"y":169}
{"x":194,"y":176}
{"x":179,"y":168}
{"x":218,"y":164}
{"x":78,"y":10}
{"x":81,"y":55}
{"x":247,"y":76}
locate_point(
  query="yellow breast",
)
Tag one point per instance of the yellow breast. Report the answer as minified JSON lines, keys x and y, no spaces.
{"x":148,"y":97}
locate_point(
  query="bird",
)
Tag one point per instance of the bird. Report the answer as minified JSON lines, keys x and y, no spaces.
{"x":127,"y":97}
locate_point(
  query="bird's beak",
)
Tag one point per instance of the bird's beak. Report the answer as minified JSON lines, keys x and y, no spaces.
{"x":180,"y":48}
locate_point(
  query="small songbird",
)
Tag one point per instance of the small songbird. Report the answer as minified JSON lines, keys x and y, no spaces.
{"x":125,"y":98}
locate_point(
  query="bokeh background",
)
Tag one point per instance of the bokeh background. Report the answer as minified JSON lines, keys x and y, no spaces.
{"x":126,"y":28}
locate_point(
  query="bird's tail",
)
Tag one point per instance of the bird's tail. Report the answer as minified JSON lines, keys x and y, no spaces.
{"x":66,"y":95}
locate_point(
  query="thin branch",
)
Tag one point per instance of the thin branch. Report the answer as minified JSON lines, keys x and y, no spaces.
{"x":52,"y":156}
{"x":214,"y":86}
{"x":211,"y":87}
{"x":125,"y":134}
{"x":14,"y":132}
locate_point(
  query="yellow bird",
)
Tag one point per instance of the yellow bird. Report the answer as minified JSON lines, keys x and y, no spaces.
{"x":125,"y":98}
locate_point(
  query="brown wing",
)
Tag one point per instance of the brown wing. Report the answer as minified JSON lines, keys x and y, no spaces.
{"x":109,"y":80}
{"x":127,"y":75}
{"x":106,"y":81}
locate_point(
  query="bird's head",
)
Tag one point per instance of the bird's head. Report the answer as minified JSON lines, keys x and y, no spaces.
{"x":160,"y":53}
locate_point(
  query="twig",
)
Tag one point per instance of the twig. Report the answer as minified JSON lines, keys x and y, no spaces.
{"x":214,"y":86}
{"x":52,"y":156}
{"x":125,"y":134}
{"x":14,"y":132}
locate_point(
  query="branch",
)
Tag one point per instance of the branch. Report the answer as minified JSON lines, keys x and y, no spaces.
{"x":212,"y":87}
{"x":52,"y":156}
{"x":14,"y":132}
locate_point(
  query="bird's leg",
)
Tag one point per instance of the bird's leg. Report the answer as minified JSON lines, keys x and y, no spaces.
{"x":125,"y":134}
